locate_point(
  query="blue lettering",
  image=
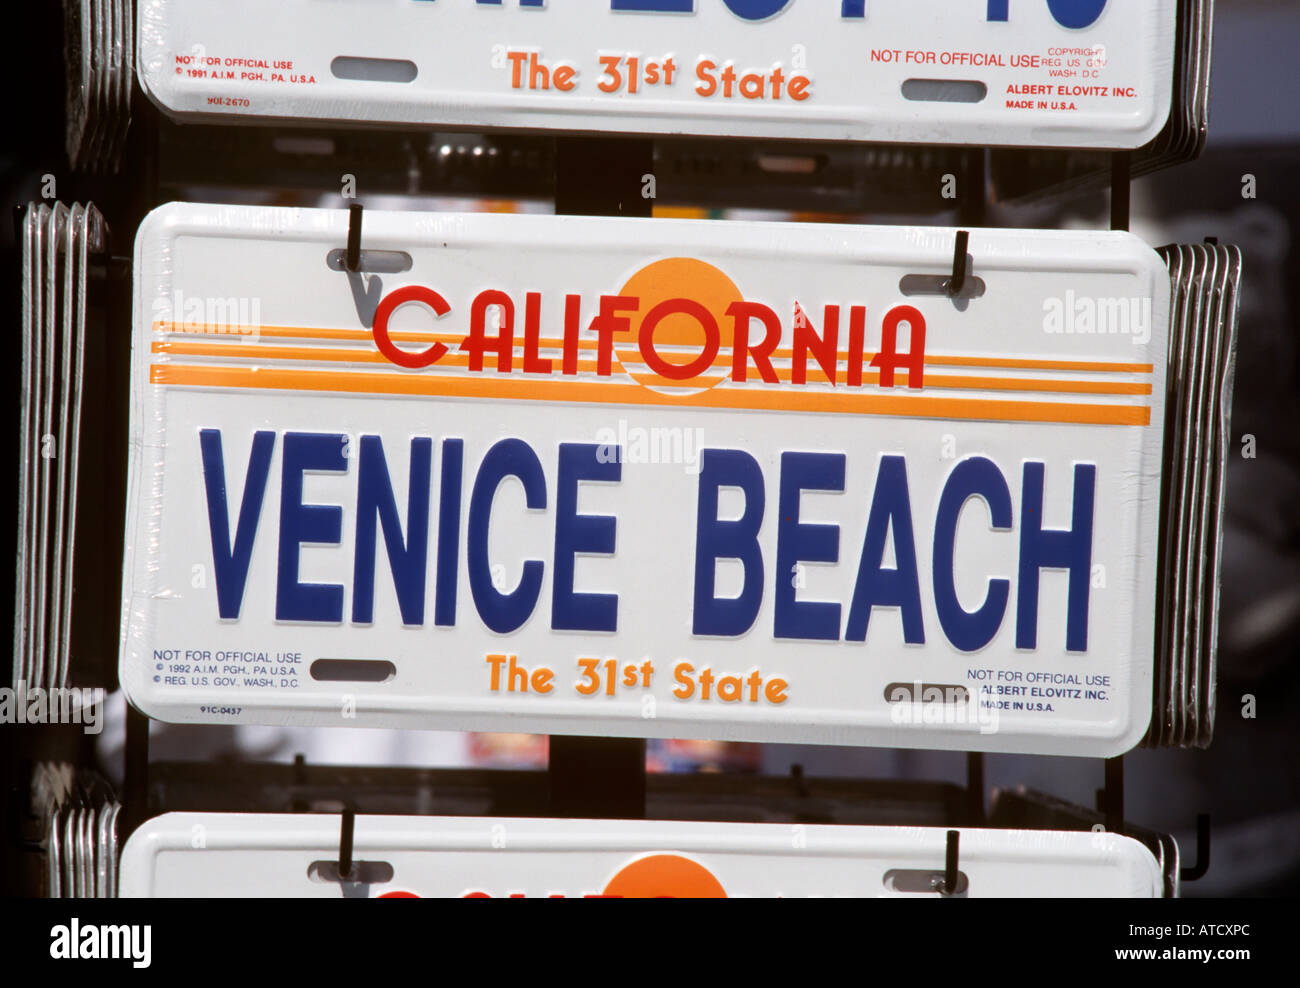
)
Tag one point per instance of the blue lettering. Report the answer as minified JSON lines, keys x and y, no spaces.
{"x":447,"y":579}
{"x":654,"y":6}
{"x":1073,"y":14}
{"x":1076,"y":14}
{"x":975,"y":477}
{"x":750,"y":10}
{"x":230,"y":563}
{"x":1069,"y":549}
{"x":318,"y":524}
{"x":503,"y":612}
{"x":375,"y":502}
{"x":574,"y":533}
{"x":876,"y":586}
{"x":756,"y":10}
{"x":797,"y":543}
{"x":717,"y":539}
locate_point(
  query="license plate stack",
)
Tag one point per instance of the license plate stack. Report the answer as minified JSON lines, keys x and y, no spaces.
{"x":99,"y":56}
{"x":81,"y":829}
{"x":57,"y":243}
{"x":1202,"y":344}
{"x":841,"y":485}
{"x":1031,"y":176}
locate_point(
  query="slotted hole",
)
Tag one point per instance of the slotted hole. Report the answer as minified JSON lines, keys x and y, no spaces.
{"x":352,"y":670}
{"x":944,"y":90}
{"x":921,"y":880}
{"x":357,"y":69}
{"x":294,"y":144}
{"x":789,"y":164}
{"x":363,"y":872}
{"x":937,"y":284}
{"x":375,"y":261}
{"x":926,"y":693}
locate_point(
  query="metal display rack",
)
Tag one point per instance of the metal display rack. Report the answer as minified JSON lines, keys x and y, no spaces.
{"x":593,"y":778}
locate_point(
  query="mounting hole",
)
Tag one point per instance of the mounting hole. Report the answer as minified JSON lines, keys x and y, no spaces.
{"x":353,"y":670}
{"x":374,"y":261}
{"x":921,"y":881}
{"x":912,"y":285}
{"x":363,"y":872}
{"x":373,"y":69}
{"x":790,"y":164}
{"x":944,"y":90}
{"x":297,"y":145}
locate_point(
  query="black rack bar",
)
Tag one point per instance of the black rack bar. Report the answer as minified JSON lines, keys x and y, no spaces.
{"x":1198,"y":870}
{"x":1113,"y":795}
{"x":135,"y":805}
{"x":600,"y":777}
{"x":975,"y":787}
{"x":1120,"y":190}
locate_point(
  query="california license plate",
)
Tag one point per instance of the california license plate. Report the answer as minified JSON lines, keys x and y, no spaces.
{"x":202,"y":855}
{"x":648,"y":478}
{"x":1071,"y":73}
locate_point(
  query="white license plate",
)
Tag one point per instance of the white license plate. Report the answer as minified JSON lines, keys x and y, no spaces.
{"x":1070,"y":73}
{"x":613,"y":490}
{"x":201,"y":855}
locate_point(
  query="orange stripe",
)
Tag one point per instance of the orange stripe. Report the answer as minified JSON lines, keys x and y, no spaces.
{"x":1019,"y":363}
{"x":308,"y":333}
{"x":432,"y":385}
{"x":964,"y":381}
{"x":550,"y":342}
{"x":1032,"y":364}
{"x":655,"y":381}
{"x":952,"y":381}
{"x":264,"y":352}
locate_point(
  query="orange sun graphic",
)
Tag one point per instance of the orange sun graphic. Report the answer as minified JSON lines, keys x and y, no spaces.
{"x":665,"y":876}
{"x":680,"y":338}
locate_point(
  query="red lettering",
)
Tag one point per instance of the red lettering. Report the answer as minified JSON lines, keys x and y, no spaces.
{"x":741,"y":313}
{"x":384,"y":311}
{"x":857,"y":345}
{"x":609,"y":322}
{"x":572,"y":326}
{"x":477,"y":342}
{"x":824,"y":347}
{"x":533,"y":364}
{"x":679,"y":306}
{"x":888,"y":359}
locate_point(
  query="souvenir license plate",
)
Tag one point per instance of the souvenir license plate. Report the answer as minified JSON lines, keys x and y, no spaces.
{"x":1076,"y":73}
{"x":656,"y":478}
{"x":249,"y":855}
